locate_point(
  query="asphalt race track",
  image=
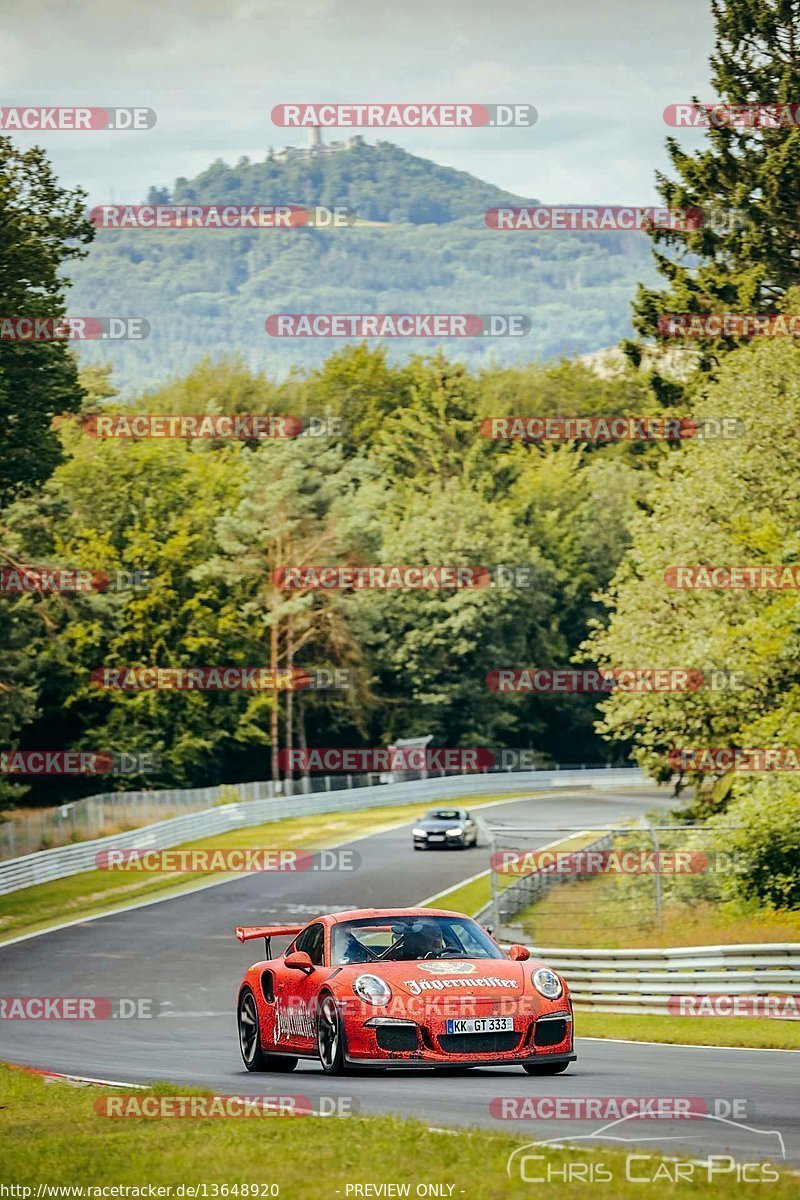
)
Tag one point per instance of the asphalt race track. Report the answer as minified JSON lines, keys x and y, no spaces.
{"x":182,"y":953}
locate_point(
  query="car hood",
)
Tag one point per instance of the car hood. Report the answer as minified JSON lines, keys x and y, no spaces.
{"x":492,"y":977}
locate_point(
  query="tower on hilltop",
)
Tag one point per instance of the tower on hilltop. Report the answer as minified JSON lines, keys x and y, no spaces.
{"x":316,"y":137}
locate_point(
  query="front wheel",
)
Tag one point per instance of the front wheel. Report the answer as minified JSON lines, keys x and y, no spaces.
{"x":253,"y":1055}
{"x":544,"y":1068}
{"x":330,"y":1037}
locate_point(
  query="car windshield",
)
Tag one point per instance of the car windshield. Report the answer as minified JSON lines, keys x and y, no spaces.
{"x":405,"y":939}
{"x":443,"y":814}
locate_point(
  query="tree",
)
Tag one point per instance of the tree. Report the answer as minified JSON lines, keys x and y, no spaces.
{"x":42,"y":226}
{"x":286,"y":516}
{"x":719,"y":502}
{"x":746,"y":179}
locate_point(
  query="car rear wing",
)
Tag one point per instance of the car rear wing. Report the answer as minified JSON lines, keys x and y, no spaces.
{"x":247,"y":933}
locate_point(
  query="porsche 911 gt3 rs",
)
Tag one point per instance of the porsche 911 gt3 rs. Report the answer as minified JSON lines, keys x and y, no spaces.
{"x":400,"y":987}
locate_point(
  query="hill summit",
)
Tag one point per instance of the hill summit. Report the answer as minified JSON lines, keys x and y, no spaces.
{"x":379,"y":182}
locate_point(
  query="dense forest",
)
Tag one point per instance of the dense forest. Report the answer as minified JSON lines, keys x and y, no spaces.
{"x":407,"y":478}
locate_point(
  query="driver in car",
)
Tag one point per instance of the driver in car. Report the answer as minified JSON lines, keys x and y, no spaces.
{"x":420,"y":941}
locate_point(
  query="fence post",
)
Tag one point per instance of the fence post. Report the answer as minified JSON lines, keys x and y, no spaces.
{"x":494,"y":882}
{"x":656,"y":875}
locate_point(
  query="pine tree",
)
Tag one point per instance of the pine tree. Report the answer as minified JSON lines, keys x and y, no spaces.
{"x":745,"y":253}
{"x":42,"y":227}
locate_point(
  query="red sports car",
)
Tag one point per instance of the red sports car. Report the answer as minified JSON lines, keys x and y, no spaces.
{"x":400,"y":988}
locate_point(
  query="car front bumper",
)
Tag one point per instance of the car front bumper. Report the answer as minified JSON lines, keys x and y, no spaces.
{"x":544,"y":1037}
{"x":458,"y":839}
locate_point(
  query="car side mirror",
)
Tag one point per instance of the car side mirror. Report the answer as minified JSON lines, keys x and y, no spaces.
{"x":519,"y":953}
{"x":299,"y":961}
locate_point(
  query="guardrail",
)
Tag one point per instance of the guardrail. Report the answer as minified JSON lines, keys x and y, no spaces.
{"x":644,"y":980}
{"x":102,"y":814}
{"x":46,"y":865}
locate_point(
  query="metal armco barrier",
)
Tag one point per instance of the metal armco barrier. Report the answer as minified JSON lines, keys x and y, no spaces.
{"x":45,"y":865}
{"x":643,"y":980}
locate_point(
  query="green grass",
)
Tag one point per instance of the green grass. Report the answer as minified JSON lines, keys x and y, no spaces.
{"x":472,"y":896}
{"x":95,"y":892}
{"x":467,"y":897}
{"x":51,"y":1134}
{"x":601,"y":912}
{"x":755,"y":1032}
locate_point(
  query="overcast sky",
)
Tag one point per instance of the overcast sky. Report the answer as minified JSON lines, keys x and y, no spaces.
{"x":600,"y":73}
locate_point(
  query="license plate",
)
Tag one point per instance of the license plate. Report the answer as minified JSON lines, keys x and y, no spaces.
{"x":481,"y":1025}
{"x":436,"y":837}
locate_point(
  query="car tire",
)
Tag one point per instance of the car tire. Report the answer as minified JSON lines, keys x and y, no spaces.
{"x":253,"y":1055}
{"x":330,"y":1036}
{"x":544,"y":1068}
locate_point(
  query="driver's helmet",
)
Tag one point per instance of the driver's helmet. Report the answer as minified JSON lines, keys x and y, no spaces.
{"x":421,"y":938}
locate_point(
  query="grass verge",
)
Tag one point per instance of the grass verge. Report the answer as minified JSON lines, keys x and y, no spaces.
{"x":753,"y":1032}
{"x":471,"y":896}
{"x":52,"y":1135}
{"x":94,"y":892}
{"x":602,"y":912}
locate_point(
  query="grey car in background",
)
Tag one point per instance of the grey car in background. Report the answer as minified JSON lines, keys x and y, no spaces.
{"x":443,"y":827}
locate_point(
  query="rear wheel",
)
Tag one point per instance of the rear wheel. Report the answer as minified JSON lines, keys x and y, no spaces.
{"x":330,"y":1037}
{"x":545,"y":1068}
{"x":253,"y":1055}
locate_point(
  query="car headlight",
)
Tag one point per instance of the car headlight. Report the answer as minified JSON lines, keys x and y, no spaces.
{"x":372,"y":989}
{"x":419,"y":832}
{"x":547,"y":983}
{"x":455,"y":829}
